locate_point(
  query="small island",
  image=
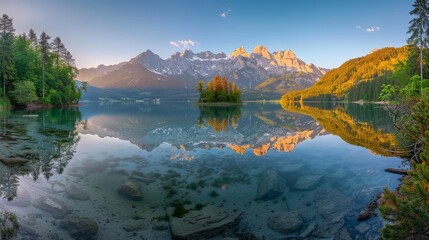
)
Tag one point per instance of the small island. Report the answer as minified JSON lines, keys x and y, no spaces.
{"x":219,"y":92}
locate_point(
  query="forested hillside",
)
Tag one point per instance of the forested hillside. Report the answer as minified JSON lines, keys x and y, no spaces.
{"x":338,"y":82}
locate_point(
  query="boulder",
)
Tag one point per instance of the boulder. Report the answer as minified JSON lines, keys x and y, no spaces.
{"x":203,"y":224}
{"x":362,"y":228}
{"x":73,"y":192}
{"x":80,"y":228}
{"x":270,"y":186}
{"x":134,"y":226}
{"x":310,"y":228}
{"x":329,"y":228}
{"x":131,"y":190}
{"x":343,"y":235}
{"x":330,"y":203}
{"x":307,"y":182}
{"x":286,"y":223}
{"x":53,"y":206}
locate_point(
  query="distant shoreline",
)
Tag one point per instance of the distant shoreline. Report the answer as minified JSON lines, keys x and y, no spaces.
{"x":219,"y":104}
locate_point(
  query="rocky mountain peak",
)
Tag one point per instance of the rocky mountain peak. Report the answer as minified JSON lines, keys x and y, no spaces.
{"x":262,"y":51}
{"x":209,"y":55}
{"x":187,"y":54}
{"x":285,"y":54}
{"x":240,"y":52}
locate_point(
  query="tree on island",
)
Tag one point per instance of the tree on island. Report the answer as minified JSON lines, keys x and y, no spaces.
{"x":219,"y":90}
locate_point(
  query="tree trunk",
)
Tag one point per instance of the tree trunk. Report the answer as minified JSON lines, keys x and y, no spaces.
{"x":4,"y":80}
{"x":421,"y":70}
{"x":43,"y":76}
{"x":421,"y":61}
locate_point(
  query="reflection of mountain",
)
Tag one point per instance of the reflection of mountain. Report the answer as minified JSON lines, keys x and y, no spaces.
{"x":252,"y":126}
{"x":259,"y":128}
{"x":338,"y":121}
{"x":291,"y":129}
{"x":41,"y":143}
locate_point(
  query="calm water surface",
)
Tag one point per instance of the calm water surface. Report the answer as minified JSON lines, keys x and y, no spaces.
{"x":323,"y":163}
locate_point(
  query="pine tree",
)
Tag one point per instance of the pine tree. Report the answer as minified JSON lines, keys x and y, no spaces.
{"x":59,"y":49}
{"x":44,"y":46}
{"x":200,"y":87}
{"x":6,"y":41}
{"x":418,"y":25}
{"x":408,"y":210}
{"x":33,"y":37}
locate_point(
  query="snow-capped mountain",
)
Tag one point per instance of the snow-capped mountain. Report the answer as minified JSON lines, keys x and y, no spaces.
{"x":246,"y":69}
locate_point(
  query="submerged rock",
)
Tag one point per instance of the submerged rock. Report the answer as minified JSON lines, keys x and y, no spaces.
{"x":73,"y":192}
{"x":291,"y":168}
{"x":333,"y":206}
{"x":330,"y":203}
{"x":270,"y":186}
{"x":286,"y":223}
{"x":308,"y":230}
{"x":81,"y":228}
{"x":53,"y":206}
{"x":131,"y":190}
{"x":329,"y":228}
{"x":308,"y":182}
{"x":362,"y":228}
{"x":10,"y":162}
{"x":202,"y":224}
{"x":134,"y":226}
{"x":343,"y":235}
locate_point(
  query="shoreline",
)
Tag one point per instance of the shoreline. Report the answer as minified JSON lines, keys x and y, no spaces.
{"x":219,"y":104}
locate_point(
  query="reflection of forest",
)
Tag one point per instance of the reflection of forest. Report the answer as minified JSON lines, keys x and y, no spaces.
{"x":36,"y":143}
{"x":356,"y":130}
{"x":221,"y":118}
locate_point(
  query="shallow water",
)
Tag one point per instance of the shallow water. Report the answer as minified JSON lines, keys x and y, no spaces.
{"x":184,"y":157}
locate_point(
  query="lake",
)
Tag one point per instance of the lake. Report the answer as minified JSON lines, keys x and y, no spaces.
{"x":150,"y":170}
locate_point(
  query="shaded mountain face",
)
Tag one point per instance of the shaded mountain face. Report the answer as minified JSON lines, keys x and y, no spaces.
{"x":184,"y":69}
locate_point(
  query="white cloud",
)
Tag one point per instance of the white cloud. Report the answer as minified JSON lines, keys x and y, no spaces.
{"x":369,"y":29}
{"x":184,"y":44}
{"x":225,"y":13}
{"x":373,"y":29}
{"x":174,"y":44}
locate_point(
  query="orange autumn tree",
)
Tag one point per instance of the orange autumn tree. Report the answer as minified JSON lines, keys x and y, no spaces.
{"x":219,"y":90}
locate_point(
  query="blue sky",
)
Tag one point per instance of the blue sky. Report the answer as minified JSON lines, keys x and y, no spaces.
{"x":323,"y":32}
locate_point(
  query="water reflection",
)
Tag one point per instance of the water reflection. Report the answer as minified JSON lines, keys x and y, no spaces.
{"x":366,"y":126}
{"x":131,"y":170}
{"x":221,"y":118}
{"x":35,"y":143}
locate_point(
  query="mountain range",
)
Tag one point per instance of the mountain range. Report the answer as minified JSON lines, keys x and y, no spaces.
{"x":148,"y":71}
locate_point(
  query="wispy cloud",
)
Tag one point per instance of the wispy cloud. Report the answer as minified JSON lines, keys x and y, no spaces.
{"x":373,"y":29}
{"x":225,"y":14}
{"x":369,"y":29}
{"x":183,"y":44}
